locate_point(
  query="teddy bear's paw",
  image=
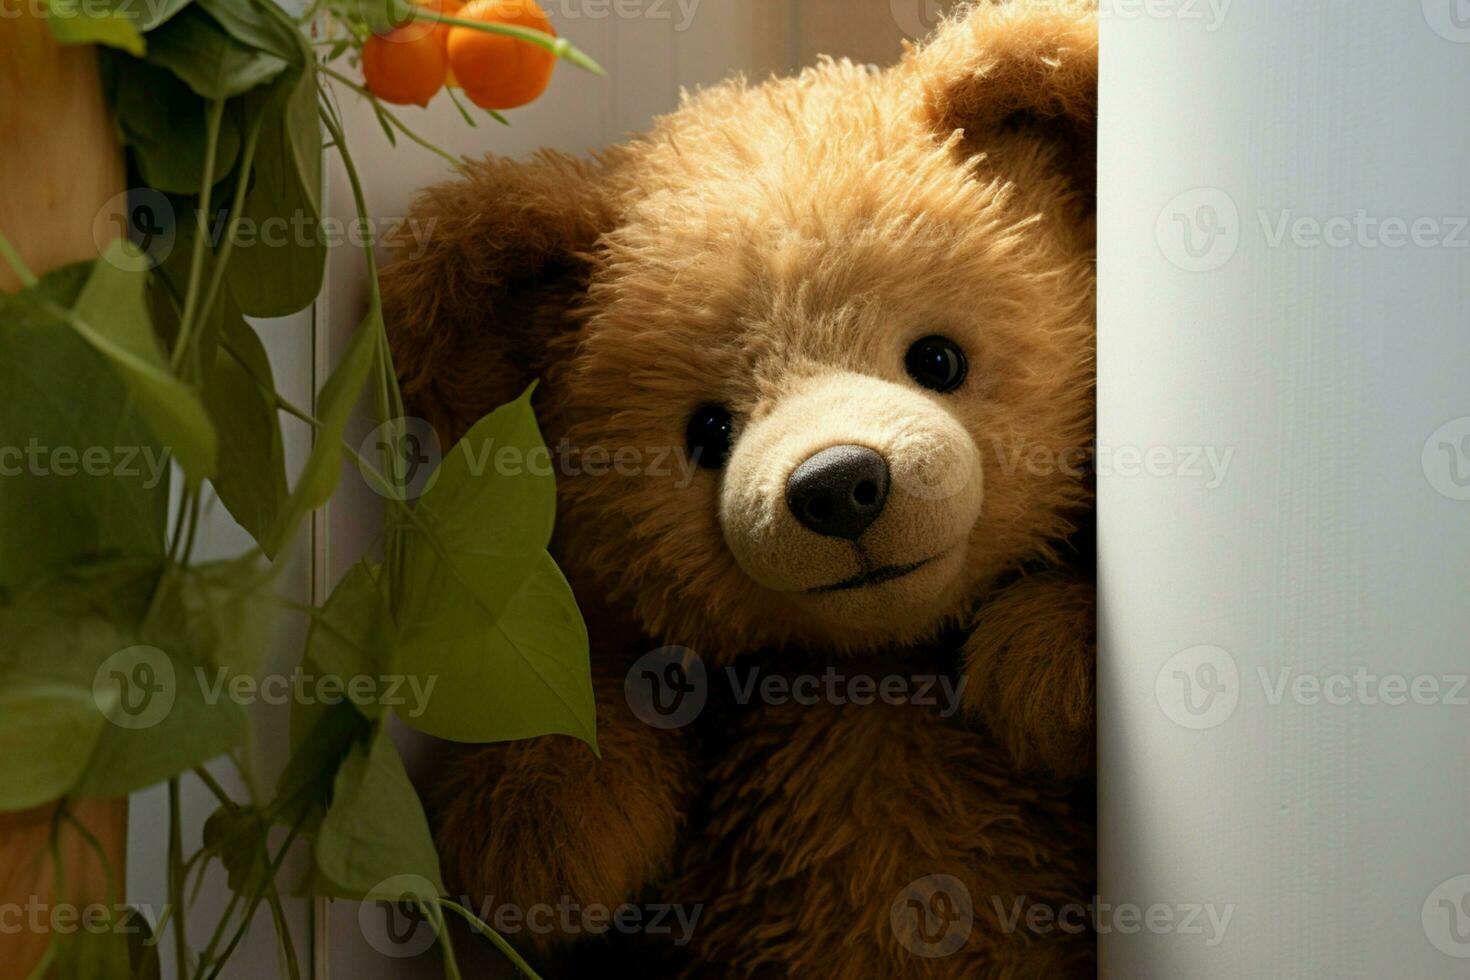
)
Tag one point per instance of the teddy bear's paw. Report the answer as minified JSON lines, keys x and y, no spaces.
{"x":1030,"y":672}
{"x":545,"y":831}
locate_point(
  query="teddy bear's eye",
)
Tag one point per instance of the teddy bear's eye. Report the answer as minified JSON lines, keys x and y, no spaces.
{"x":710,"y":433}
{"x":937,"y":363}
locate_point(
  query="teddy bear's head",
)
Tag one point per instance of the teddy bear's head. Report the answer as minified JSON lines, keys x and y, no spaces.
{"x":818,"y":352}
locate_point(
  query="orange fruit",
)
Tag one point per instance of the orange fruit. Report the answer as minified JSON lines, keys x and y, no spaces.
{"x":407,"y":65}
{"x":497,"y":71}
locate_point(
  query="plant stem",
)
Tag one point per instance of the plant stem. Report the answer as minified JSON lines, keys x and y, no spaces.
{"x":242,"y":184}
{"x":181,"y":517}
{"x":375,"y":297}
{"x":17,"y":264}
{"x":492,"y":935}
{"x":193,"y":527}
{"x":255,"y":898}
{"x":383,"y":484}
{"x":176,"y":877}
{"x":558,"y":46}
{"x":446,"y":945}
{"x":388,"y":114}
{"x":207,"y":778}
{"x":196,"y":262}
{"x":390,"y":399}
{"x":207,"y":957}
{"x":111,"y":879}
{"x":283,"y":931}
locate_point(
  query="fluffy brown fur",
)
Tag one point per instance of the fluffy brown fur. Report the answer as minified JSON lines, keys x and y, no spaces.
{"x":775,"y":249}
{"x":636,"y":795}
{"x":824,"y":815}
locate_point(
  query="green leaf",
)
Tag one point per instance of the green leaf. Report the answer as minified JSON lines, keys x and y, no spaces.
{"x":323,"y":467}
{"x":111,"y":314}
{"x":352,"y":634}
{"x":239,"y":393}
{"x":485,"y":615}
{"x":317,"y":752}
{"x":282,"y":273}
{"x":93,"y":954}
{"x":56,"y":507}
{"x":215,"y":65}
{"x":164,"y":123}
{"x":229,"y":612}
{"x":142,"y":958}
{"x":47,"y":732}
{"x":262,"y":27}
{"x":381,"y":16}
{"x":76,"y":22}
{"x":523,"y":674}
{"x":375,"y":828}
{"x":485,"y":529}
{"x":238,"y":837}
{"x":155,"y":12}
{"x":172,"y":710}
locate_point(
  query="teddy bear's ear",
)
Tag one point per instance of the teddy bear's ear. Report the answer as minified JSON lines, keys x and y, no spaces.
{"x":1020,"y":65}
{"x":488,"y":266}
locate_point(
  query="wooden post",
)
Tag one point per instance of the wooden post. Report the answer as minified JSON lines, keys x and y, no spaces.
{"x":60,"y":169}
{"x":62,"y":165}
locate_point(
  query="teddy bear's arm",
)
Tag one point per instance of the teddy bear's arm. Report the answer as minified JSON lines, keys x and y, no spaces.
{"x":546,"y":821}
{"x":1030,"y":671}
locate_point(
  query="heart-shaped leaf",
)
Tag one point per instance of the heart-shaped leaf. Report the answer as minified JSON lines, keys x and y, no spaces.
{"x":85,"y":477}
{"x":484,"y":613}
{"x":163,"y":122}
{"x":167,"y":702}
{"x":76,"y":22}
{"x":205,"y":57}
{"x":240,"y":395}
{"x":47,"y":733}
{"x":111,"y":314}
{"x":279,"y":276}
{"x":333,"y":409}
{"x":375,"y":829}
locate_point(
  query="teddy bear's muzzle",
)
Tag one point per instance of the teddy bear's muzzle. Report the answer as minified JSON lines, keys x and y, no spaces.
{"x":855,"y":497}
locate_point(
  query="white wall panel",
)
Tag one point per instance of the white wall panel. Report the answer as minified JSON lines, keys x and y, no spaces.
{"x":1332,"y":360}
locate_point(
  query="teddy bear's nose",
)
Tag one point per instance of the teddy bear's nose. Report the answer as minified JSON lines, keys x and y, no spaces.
{"x":839,"y":491}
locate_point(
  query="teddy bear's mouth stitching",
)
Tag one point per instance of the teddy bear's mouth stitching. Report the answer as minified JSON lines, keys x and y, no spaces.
{"x":875,"y":577}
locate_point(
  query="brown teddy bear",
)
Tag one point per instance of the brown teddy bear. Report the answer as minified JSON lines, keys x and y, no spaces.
{"x":818,"y":372}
